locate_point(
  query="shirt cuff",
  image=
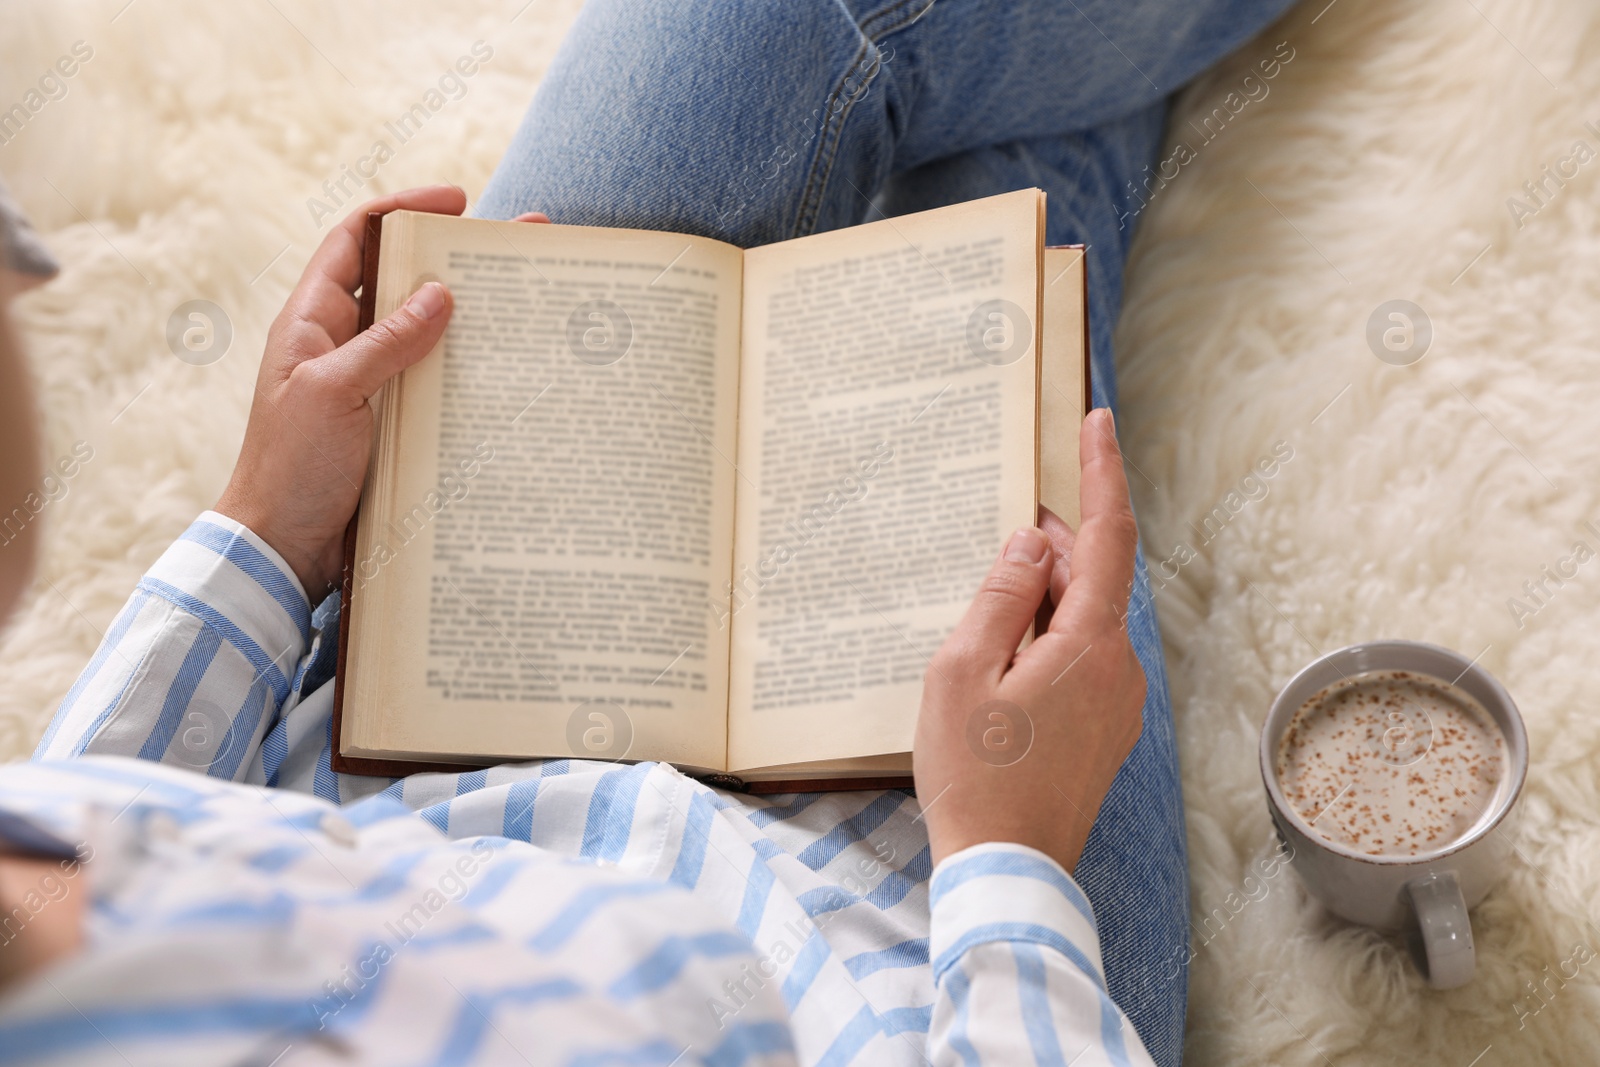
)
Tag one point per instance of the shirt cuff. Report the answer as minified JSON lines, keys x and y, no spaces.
{"x":223,"y":574}
{"x":1000,"y":891}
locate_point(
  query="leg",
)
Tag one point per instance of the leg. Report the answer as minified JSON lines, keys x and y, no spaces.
{"x":753,"y":122}
{"x":781,"y":120}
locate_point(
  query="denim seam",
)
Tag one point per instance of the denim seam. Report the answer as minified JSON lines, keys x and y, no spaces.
{"x":869,"y":25}
{"x":832,"y":133}
{"x":805,"y":219}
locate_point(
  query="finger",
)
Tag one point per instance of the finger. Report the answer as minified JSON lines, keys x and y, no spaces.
{"x":998,"y":617}
{"x":532,"y":216}
{"x":1061,"y":539}
{"x":339,"y":261}
{"x":1103,"y":551}
{"x":325,"y":293}
{"x":392,"y":344}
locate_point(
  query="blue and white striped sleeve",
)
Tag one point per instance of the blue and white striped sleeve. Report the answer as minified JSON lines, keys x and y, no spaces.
{"x":1016,"y":966}
{"x":200,"y":662}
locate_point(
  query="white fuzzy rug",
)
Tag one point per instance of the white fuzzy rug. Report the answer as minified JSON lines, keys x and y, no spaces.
{"x":1418,"y":501}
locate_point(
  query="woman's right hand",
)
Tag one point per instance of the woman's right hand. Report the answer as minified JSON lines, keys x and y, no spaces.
{"x":1022,"y":747}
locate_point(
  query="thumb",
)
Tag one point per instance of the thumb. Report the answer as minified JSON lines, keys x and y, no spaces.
{"x":1007,"y":601}
{"x":392,"y":344}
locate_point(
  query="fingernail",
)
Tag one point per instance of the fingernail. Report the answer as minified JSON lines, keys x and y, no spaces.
{"x":1027,"y":545}
{"x":427,"y":302}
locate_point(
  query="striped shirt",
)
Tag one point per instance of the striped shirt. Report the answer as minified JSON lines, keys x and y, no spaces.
{"x":251,"y":905}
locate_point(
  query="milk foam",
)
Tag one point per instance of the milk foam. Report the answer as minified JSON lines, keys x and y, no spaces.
{"x":1392,"y":763}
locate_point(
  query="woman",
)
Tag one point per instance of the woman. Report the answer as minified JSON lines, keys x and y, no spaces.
{"x":706,"y":927}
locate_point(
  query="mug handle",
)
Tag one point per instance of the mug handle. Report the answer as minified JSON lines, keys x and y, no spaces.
{"x":1446,"y":930}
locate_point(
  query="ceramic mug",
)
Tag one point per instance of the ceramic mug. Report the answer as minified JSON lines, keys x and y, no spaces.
{"x":1427,"y":892}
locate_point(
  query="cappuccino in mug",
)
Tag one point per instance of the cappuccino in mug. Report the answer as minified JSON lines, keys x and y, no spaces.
{"x":1392,"y":763}
{"x":1392,"y":784}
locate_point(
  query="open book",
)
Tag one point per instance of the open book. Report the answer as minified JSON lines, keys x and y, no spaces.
{"x":658,"y":497}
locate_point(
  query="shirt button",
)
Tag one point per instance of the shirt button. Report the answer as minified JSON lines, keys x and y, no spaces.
{"x":339,"y":830}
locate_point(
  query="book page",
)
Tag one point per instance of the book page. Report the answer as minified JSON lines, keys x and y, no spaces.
{"x":887,"y":447}
{"x":549,"y":521}
{"x":1064,"y":380}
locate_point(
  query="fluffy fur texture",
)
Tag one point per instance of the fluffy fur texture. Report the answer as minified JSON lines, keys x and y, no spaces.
{"x":1418,"y":500}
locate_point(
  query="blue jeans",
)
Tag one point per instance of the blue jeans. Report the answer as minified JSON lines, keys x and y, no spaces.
{"x":757,"y":121}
